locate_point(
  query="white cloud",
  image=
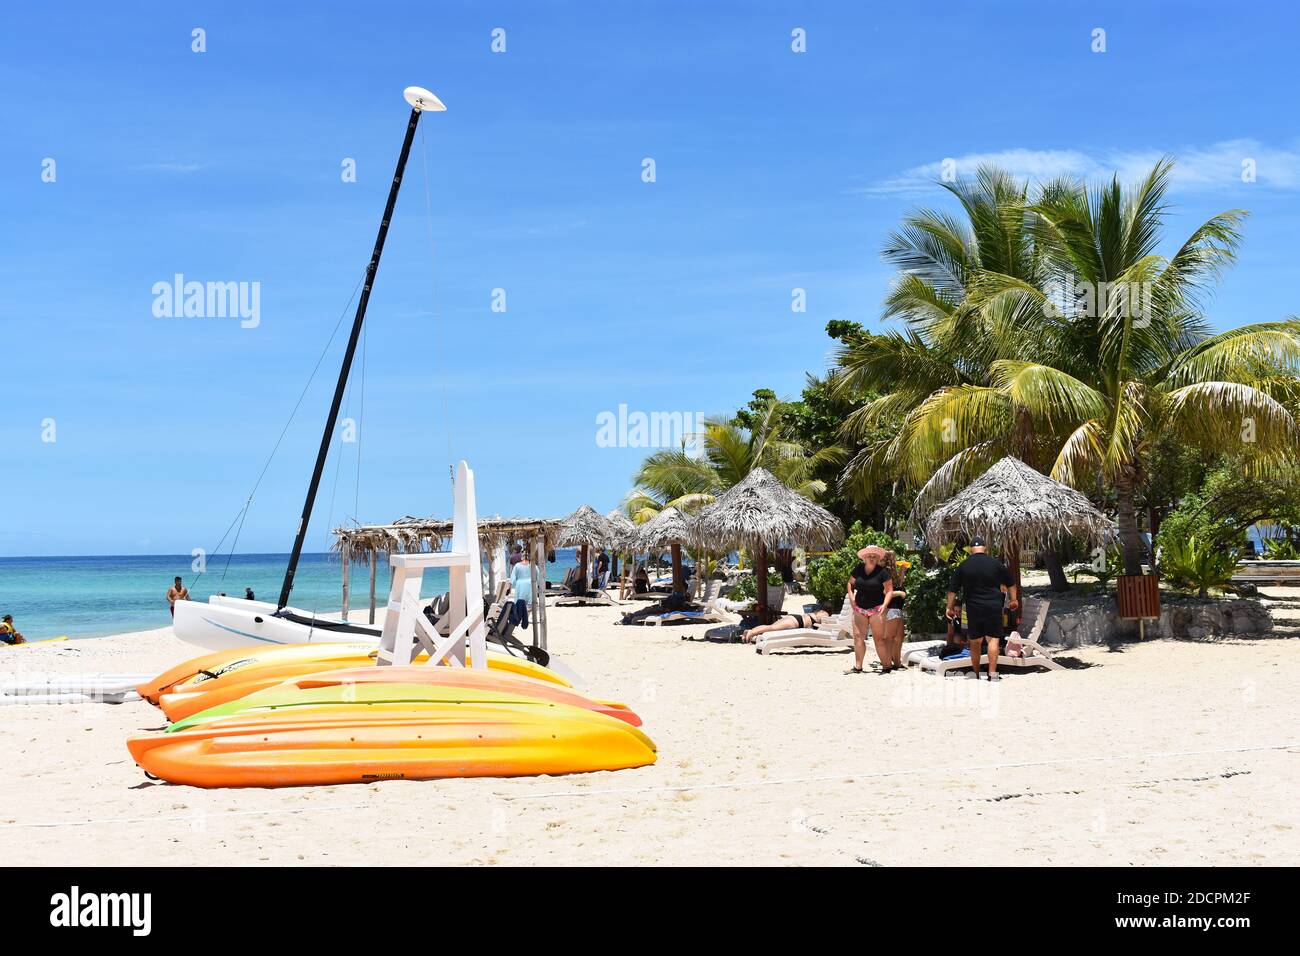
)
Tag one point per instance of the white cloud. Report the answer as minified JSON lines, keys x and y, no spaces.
{"x":1213,"y":168}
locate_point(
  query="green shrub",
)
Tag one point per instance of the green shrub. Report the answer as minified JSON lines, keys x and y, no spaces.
{"x":1281,"y":549}
{"x":745,"y":588}
{"x":1193,"y":519}
{"x":927,"y":599}
{"x":829,"y":576}
{"x":1195,"y":563}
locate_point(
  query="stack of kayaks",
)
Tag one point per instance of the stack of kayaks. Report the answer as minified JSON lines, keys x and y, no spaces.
{"x":232,"y":674}
{"x":327,"y":714}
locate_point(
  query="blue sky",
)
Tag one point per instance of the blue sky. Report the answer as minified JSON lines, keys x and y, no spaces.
{"x":774,"y":170}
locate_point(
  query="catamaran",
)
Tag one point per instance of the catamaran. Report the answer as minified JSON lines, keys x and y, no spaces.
{"x":227,"y":622}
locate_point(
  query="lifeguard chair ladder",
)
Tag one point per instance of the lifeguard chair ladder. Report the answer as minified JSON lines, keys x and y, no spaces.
{"x":406,"y":629}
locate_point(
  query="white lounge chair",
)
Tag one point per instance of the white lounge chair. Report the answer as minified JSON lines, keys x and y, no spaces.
{"x":1032,"y":620}
{"x":711,"y":613}
{"x":837,"y":633}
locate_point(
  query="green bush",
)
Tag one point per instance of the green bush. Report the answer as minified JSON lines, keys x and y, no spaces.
{"x":1281,"y":549}
{"x":829,"y":576}
{"x":1195,"y":563}
{"x":927,"y":599}
{"x":1193,"y":519}
{"x":745,"y":588}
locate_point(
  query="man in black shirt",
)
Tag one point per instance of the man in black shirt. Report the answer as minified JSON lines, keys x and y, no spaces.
{"x":982,"y":579}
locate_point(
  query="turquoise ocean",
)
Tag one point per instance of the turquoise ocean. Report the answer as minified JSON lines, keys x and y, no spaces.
{"x":99,"y":595}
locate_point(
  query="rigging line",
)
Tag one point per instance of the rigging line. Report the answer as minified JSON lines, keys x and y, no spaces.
{"x":440,"y":327}
{"x":298,"y":404}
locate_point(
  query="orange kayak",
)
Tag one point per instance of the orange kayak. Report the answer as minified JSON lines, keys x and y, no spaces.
{"x":222,"y":676}
{"x":446,"y":684}
{"x":360,"y":741}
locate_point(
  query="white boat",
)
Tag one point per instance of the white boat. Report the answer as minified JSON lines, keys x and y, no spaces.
{"x":225,"y":622}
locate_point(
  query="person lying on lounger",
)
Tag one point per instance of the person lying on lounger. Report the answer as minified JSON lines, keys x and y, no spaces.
{"x":788,"y":622}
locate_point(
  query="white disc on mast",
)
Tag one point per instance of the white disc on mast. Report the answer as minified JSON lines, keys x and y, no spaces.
{"x":423,"y":100}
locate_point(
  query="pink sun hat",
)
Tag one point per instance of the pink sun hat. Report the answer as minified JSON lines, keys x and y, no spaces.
{"x":872,"y":549}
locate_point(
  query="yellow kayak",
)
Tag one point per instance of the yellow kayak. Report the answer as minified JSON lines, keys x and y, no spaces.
{"x":392,"y":732}
{"x":223,"y":676}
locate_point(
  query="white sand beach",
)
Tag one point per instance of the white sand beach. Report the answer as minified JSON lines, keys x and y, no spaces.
{"x":1159,"y":753}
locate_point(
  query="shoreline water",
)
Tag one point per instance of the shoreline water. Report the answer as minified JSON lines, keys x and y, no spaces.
{"x":96,"y":596}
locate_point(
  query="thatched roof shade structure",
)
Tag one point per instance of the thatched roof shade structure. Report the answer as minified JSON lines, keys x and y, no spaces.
{"x":624,"y":528}
{"x":585,"y":529}
{"x":1017,"y":506}
{"x":368,"y":543}
{"x":410,"y":534}
{"x":665,"y":529}
{"x":669,"y":529}
{"x":761,"y":514}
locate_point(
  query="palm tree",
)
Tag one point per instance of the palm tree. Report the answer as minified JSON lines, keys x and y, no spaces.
{"x":1135,"y":359}
{"x":728,"y":453}
{"x":1105,"y":378}
{"x":939,"y":368}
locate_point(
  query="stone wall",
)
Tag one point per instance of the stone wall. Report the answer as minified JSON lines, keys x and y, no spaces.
{"x":1072,"y":622}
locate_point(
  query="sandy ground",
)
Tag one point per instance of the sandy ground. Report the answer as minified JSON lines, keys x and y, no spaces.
{"x":1159,"y":753}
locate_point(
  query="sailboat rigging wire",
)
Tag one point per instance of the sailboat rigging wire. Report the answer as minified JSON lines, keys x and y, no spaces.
{"x":243,"y":512}
{"x":441,"y":329}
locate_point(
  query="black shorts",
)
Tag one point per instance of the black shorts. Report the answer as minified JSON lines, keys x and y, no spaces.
{"x":983,"y":624}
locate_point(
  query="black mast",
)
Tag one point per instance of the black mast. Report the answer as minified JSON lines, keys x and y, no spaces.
{"x":339,"y":389}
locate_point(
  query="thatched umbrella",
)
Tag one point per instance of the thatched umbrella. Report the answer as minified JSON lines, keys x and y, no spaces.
{"x":1018,"y":506}
{"x":585,"y":529}
{"x":762,"y":514}
{"x":670,"y":529}
{"x":626,"y":532}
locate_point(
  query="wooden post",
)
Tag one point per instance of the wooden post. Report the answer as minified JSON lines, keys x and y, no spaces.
{"x":372,"y":587}
{"x":582,"y":568}
{"x":539,"y":594}
{"x":760,"y":574}
{"x":676,"y":550}
{"x":537,"y":576}
{"x":347,"y":563}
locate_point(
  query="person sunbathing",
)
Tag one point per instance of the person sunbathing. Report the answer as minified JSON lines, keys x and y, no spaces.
{"x":788,"y":622}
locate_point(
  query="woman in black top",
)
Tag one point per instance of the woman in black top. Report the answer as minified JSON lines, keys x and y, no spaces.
{"x":869,"y":587}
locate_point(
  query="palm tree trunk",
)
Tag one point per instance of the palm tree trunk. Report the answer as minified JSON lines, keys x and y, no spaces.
{"x":1126,"y":517}
{"x":760,"y":574}
{"x":678,"y":583}
{"x":1056,"y":570}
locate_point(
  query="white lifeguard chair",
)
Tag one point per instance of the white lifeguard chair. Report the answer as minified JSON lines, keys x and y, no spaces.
{"x":406,"y":629}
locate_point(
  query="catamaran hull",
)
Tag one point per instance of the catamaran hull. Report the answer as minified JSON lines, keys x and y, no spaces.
{"x":228,"y":623}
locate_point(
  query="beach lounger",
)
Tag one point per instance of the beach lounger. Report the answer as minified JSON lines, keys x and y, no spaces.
{"x":565,"y":587}
{"x":1031,"y":621}
{"x":597,"y":595}
{"x":711,"y":613}
{"x":836,"y":633}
